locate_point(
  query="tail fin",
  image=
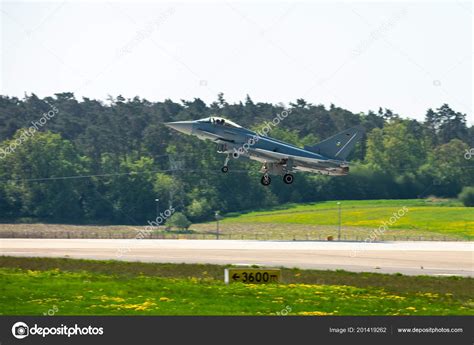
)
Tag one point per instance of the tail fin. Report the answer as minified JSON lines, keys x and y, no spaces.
{"x":340,"y":145}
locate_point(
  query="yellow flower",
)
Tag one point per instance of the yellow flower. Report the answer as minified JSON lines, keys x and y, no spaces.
{"x":314,"y":313}
{"x":113,"y":299}
{"x":395,"y":297}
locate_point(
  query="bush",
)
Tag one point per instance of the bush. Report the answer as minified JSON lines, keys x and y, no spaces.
{"x":467,"y":196}
{"x":179,"y":221}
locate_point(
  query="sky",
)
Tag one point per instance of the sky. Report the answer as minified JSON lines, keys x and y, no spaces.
{"x":404,"y":56}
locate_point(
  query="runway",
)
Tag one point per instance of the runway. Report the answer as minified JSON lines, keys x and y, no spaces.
{"x":411,"y":258}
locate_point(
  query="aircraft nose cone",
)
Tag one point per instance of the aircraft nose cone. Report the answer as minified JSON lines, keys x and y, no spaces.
{"x":185,"y":127}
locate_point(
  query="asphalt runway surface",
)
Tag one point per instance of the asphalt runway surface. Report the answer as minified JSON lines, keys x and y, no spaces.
{"x":411,"y":258}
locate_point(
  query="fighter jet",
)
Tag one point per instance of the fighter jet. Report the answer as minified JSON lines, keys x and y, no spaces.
{"x":279,"y":158}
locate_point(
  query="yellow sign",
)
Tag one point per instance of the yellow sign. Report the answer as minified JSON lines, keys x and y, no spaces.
{"x":252,"y":275}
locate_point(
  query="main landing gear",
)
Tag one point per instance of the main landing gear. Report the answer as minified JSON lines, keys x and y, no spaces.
{"x":287,"y":178}
{"x":266,"y":180}
{"x":276,"y":169}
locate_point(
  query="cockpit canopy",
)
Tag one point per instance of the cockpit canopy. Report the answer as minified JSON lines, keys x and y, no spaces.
{"x":219,"y":121}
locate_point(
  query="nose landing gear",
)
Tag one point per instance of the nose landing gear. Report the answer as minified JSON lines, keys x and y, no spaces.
{"x":225,"y":168}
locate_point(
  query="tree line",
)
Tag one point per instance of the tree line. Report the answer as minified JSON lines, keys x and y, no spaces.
{"x":95,"y":161}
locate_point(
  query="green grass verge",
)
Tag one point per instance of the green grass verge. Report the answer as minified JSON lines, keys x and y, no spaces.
{"x":36,"y":286}
{"x":424,"y":217}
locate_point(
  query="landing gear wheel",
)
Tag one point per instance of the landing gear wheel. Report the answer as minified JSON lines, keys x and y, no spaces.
{"x":266,"y":180}
{"x":288,"y":178}
{"x":225,"y":169}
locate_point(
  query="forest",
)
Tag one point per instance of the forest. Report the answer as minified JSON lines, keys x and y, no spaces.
{"x":108,"y":162}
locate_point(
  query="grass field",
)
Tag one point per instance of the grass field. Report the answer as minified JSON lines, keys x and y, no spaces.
{"x":428,"y":218}
{"x":37,"y":286}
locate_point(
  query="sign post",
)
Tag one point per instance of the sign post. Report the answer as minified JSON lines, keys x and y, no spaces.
{"x":252,"y":275}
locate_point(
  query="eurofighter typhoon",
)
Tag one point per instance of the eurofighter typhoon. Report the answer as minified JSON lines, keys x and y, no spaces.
{"x":279,"y":158}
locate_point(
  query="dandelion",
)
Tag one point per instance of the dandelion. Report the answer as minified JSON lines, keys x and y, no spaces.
{"x":113,"y":299}
{"x":33,"y":273}
{"x":314,"y":313}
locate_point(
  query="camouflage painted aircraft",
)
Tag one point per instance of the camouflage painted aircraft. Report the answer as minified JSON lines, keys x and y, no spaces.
{"x":279,"y":158}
